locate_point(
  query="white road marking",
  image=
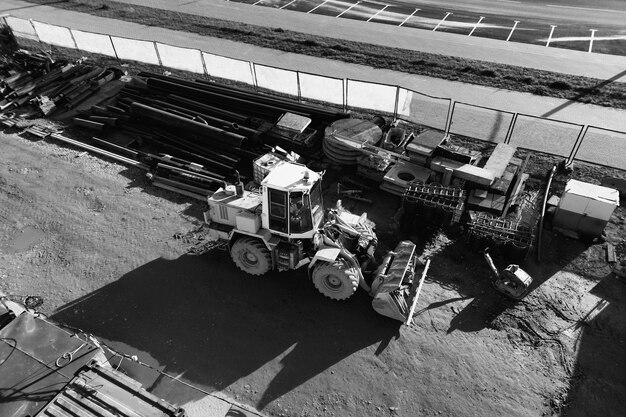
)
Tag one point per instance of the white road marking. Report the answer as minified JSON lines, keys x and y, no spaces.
{"x":550,"y":37}
{"x":291,"y":2}
{"x":593,"y":32}
{"x":408,"y":17}
{"x":444,"y":18}
{"x":586,"y":8}
{"x":348,"y":9}
{"x":257,"y":2}
{"x":475,"y":26}
{"x":318,"y":6}
{"x":512,"y":29}
{"x":377,"y":13}
{"x":584,"y":38}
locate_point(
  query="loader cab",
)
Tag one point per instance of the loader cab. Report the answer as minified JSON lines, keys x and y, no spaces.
{"x":292,"y":201}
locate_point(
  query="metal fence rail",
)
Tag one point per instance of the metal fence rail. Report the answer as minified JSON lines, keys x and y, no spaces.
{"x":571,"y":141}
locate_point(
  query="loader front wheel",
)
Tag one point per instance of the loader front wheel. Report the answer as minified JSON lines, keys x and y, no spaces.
{"x":336,"y":280}
{"x":251,"y":256}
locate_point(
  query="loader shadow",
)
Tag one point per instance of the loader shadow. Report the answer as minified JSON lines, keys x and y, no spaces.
{"x":201,"y":317}
{"x":598,"y":385}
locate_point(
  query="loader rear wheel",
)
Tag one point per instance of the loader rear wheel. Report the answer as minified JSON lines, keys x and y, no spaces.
{"x":251,"y":256}
{"x":336,"y":280}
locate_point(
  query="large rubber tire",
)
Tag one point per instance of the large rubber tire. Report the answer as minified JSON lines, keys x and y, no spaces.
{"x":336,"y":280}
{"x":251,"y":256}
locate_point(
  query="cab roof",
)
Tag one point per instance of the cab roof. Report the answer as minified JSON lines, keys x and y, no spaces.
{"x":291,"y":177}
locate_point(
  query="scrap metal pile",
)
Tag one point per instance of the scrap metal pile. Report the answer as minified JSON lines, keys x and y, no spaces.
{"x":49,"y":86}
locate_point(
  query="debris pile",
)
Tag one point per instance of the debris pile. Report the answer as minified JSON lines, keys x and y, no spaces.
{"x":44,"y":87}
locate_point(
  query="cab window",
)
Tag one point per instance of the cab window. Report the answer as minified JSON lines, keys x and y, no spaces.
{"x":278,"y":210}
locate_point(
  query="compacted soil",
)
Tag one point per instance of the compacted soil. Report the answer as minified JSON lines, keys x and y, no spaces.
{"x":109,"y":254}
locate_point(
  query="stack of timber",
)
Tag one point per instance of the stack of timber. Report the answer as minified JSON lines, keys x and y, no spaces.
{"x":509,"y":180}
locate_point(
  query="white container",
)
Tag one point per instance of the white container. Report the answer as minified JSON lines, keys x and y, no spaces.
{"x":585,"y":208}
{"x":264,"y":164}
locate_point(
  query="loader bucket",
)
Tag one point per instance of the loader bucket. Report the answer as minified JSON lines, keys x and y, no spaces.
{"x":394,"y":289}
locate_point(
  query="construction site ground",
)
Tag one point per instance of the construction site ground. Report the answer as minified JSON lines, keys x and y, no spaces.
{"x":109,"y":253}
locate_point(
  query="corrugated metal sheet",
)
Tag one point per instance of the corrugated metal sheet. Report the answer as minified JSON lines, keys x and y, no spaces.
{"x":29,"y":375}
{"x":100,"y":392}
{"x":46,"y":371}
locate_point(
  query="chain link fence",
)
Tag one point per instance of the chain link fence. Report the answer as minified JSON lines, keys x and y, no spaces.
{"x":568,"y":140}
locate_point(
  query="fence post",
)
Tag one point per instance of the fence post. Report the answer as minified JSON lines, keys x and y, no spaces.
{"x":254,"y":80}
{"x":206,"y":71}
{"x":73,"y":39}
{"x":156,"y":49}
{"x":114,"y":50}
{"x":395,"y":108}
{"x":578,"y":143}
{"x":509,"y":133}
{"x":35,"y":30}
{"x":299,"y":91}
{"x":345,"y":97}
{"x":449,"y":118}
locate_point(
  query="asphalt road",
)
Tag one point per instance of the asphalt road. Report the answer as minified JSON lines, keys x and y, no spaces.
{"x":603,"y":12}
{"x":570,"y":26}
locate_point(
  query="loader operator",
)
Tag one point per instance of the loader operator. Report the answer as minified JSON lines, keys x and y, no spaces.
{"x":295,"y":212}
{"x":299,"y":212}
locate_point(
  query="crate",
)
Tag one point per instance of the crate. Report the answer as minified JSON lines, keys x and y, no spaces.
{"x":264,"y":164}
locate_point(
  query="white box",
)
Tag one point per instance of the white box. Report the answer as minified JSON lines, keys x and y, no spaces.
{"x":248,"y":222}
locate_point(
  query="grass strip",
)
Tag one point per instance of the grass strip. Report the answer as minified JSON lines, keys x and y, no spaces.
{"x":538,"y":82}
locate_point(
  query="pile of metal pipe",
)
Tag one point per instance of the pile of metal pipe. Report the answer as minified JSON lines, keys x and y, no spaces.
{"x":239,"y":95}
{"x":62,"y":85}
{"x":206,"y":131}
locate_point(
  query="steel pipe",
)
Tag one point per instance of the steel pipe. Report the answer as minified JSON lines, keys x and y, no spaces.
{"x":165,"y":118}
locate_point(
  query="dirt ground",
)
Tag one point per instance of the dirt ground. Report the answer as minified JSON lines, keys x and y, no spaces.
{"x":107,"y":251}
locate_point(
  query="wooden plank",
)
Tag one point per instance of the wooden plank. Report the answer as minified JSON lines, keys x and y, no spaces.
{"x":474,"y":174}
{"x":500,"y":159}
{"x":515,"y":186}
{"x":502,"y":184}
{"x":611,"y":257}
{"x":425,"y":142}
{"x":463,"y":171}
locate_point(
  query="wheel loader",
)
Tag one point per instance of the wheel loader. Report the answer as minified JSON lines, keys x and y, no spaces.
{"x":284,"y":226}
